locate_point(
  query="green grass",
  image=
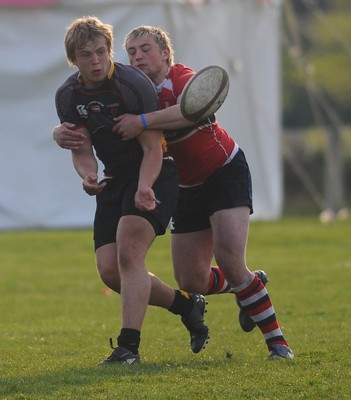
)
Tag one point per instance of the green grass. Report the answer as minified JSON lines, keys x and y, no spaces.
{"x":56,"y":319}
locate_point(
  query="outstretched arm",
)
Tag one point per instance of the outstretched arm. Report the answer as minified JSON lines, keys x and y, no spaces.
{"x":130,"y":126}
{"x":168,"y":118}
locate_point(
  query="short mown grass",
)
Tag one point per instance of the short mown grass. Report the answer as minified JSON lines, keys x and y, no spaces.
{"x":56,"y":318}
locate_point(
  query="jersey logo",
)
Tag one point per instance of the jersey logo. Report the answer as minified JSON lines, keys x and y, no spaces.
{"x":82,"y":111}
{"x":95,"y":108}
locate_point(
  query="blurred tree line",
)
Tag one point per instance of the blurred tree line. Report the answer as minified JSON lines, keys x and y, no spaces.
{"x":316,"y":61}
{"x":316,"y":107}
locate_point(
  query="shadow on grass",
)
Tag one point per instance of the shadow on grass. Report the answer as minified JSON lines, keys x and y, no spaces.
{"x":46,"y":384}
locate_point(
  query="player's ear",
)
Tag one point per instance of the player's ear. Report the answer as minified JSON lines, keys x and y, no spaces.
{"x":165,"y":53}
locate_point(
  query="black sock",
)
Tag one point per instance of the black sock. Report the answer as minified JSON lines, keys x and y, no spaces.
{"x":130,"y":339}
{"x":182,"y":303}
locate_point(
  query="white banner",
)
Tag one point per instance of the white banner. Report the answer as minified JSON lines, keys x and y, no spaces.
{"x":38,"y":185}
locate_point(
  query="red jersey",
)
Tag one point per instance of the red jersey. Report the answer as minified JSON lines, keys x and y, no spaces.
{"x":200,"y":150}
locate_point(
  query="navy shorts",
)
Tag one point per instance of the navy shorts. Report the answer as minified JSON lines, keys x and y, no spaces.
{"x":228,"y":187}
{"x":117,"y":200}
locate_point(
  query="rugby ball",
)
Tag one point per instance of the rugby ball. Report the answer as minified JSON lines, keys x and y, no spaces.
{"x":204,"y":93}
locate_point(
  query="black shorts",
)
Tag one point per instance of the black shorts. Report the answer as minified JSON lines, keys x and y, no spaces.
{"x":117,"y":200}
{"x":230,"y":186}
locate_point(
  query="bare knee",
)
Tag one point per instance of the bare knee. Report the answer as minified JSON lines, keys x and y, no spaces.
{"x":106,"y":262}
{"x":109,"y":276}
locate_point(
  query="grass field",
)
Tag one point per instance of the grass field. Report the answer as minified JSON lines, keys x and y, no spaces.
{"x":56,"y":319}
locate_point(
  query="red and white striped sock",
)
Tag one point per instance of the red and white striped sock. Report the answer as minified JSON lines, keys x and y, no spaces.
{"x":218,"y":283}
{"x":255,"y":302}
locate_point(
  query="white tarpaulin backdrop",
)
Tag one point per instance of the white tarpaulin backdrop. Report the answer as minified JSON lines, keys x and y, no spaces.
{"x":38,"y":185}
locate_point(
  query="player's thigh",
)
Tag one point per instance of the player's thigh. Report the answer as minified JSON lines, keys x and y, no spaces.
{"x":192,"y":255}
{"x":230,"y":230}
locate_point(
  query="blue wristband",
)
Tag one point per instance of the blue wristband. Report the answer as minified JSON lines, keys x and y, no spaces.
{"x":143,"y":120}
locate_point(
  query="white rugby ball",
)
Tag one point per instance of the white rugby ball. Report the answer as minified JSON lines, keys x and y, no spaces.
{"x":204,"y":93}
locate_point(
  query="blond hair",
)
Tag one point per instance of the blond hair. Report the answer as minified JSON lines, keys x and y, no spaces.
{"x":83,"y":30}
{"x":160,"y":36}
